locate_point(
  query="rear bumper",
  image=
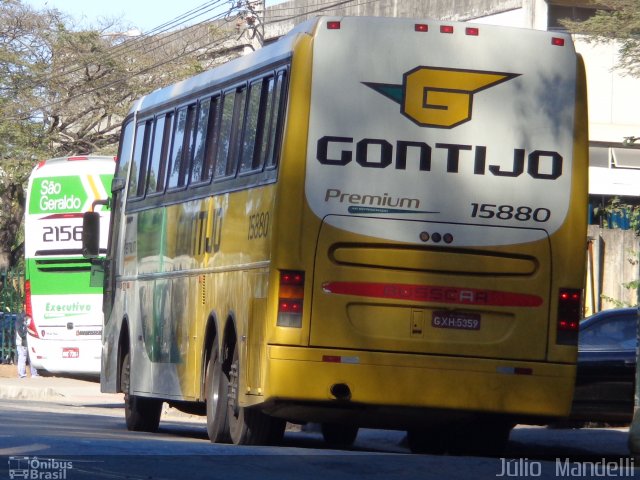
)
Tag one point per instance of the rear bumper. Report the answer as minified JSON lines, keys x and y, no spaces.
{"x":390,"y":381}
{"x":65,"y":356}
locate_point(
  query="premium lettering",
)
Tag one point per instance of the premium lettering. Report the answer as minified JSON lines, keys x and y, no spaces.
{"x":384,"y":200}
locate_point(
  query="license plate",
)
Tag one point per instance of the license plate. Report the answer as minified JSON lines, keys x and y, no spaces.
{"x":457,"y":320}
{"x":71,"y":352}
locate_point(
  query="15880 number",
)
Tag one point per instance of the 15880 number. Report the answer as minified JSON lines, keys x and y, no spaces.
{"x":510,"y":212}
{"x":258,"y":225}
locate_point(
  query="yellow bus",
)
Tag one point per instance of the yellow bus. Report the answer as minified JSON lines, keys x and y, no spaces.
{"x":371,"y":222}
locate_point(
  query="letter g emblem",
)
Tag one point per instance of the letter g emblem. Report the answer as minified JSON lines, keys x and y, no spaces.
{"x":442,"y":97}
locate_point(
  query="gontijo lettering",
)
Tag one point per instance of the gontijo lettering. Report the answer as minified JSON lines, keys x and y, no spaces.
{"x":456,"y":158}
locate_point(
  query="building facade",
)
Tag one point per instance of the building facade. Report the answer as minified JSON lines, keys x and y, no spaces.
{"x":614,"y":98}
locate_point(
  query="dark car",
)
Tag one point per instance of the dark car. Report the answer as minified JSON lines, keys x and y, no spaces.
{"x":606,"y":367}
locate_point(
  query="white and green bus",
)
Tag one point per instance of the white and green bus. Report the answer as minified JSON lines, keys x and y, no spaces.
{"x":64,"y":312}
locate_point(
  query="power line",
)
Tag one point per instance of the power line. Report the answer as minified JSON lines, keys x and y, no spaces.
{"x":218,"y":41}
{"x":139,"y":43}
{"x":136,"y":44}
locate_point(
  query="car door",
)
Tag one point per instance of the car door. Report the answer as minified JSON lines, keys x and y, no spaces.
{"x":606,"y":367}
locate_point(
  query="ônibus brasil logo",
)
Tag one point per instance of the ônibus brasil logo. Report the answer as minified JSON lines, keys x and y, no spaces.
{"x":439,"y":97}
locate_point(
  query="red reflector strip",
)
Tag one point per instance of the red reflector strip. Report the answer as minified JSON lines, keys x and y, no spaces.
{"x":473,"y":31}
{"x":74,"y":159}
{"x":557,"y":41}
{"x":333,"y":25}
{"x":421,"y":27}
{"x":433,"y":293}
{"x":62,"y":215}
{"x":340,"y":359}
{"x":331,"y":358}
{"x":446,"y":29}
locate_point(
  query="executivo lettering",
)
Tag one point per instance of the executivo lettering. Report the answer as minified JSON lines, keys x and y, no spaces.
{"x":76,"y":307}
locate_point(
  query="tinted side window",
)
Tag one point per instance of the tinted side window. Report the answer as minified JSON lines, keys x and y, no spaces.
{"x":159,"y":149}
{"x":224,"y":138}
{"x":139,"y":164}
{"x":181,"y":147}
{"x":124,"y":152}
{"x":276,"y":122}
{"x":614,"y":332}
{"x":230,"y":125}
{"x":212,"y":139}
{"x":198,"y":164}
{"x":252,"y":129}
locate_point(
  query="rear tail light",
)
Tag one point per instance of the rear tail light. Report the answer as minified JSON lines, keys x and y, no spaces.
{"x":569,"y":315}
{"x":290,"y":299}
{"x":28,"y":310}
{"x":557,"y":41}
{"x":333,"y":25}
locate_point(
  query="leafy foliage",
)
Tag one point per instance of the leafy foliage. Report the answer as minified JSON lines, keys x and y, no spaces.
{"x":65,"y":90}
{"x":614,"y":20}
{"x":617,"y":209}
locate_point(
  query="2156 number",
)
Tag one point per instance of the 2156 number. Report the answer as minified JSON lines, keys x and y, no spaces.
{"x":64,"y":233}
{"x":509,"y":212}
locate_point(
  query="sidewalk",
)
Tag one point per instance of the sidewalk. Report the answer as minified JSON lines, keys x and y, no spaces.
{"x":53,"y":389}
{"x":70,"y":391}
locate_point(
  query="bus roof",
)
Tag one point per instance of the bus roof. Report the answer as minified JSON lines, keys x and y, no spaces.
{"x":57,"y":161}
{"x":283,"y":48}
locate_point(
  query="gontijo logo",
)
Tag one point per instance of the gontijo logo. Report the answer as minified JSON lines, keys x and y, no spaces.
{"x":439,"y":97}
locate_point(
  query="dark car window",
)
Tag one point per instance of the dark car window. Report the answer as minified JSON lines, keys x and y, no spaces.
{"x":611,"y":332}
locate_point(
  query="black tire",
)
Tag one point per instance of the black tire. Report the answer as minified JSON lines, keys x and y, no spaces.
{"x":217,"y":386}
{"x":249,"y":426}
{"x":141,"y":414}
{"x":338,"y":435}
{"x":487,"y":437}
{"x":427,"y":441}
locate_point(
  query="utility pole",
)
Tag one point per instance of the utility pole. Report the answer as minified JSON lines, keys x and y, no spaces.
{"x":252,"y":17}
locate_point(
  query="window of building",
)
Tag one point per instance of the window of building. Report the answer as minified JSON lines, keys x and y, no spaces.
{"x":557,"y":13}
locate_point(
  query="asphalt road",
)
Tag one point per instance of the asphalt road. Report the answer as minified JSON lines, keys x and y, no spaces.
{"x":45,"y":422}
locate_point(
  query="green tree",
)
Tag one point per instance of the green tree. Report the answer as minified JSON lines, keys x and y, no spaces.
{"x":614,"y":20}
{"x":65,"y":90}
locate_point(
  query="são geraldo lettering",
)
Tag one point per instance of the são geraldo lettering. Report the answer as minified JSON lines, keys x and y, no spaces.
{"x":49,"y":189}
{"x":379,"y":153}
{"x":65,"y":203}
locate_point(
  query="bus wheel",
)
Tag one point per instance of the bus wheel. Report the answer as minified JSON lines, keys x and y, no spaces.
{"x":249,"y":426}
{"x":216,"y":394}
{"x":339,"y":436}
{"x":481,"y":437}
{"x":141,"y":414}
{"x":430,"y":441}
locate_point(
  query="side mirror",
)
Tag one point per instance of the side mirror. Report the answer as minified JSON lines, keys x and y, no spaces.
{"x":90,"y":234}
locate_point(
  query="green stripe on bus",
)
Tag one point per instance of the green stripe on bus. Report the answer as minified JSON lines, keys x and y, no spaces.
{"x":59,"y":280}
